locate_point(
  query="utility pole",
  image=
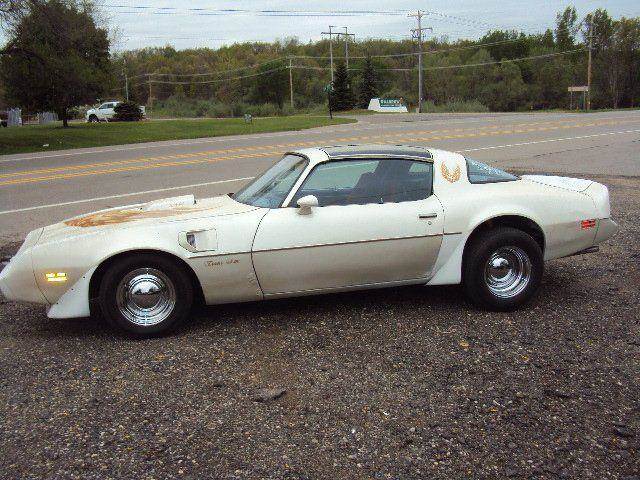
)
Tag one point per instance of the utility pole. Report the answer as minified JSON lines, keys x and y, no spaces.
{"x":150,"y":99}
{"x":331,"y":34}
{"x":291,"y":81}
{"x":346,"y":45}
{"x":588,"y":103}
{"x":126,"y":80}
{"x":417,"y":33}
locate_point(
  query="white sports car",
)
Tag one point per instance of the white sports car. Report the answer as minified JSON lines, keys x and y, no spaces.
{"x":319,"y":220}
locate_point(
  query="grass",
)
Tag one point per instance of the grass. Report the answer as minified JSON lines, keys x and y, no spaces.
{"x":54,"y":137}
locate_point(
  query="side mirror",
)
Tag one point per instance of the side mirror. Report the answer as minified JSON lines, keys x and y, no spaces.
{"x":306,"y":203}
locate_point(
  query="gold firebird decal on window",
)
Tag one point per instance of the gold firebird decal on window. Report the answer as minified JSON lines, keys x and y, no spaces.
{"x":449,"y":176}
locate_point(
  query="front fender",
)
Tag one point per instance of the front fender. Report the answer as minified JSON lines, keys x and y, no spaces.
{"x":74,"y":303}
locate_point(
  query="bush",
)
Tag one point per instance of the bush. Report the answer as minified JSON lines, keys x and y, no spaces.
{"x":80,"y":112}
{"x":180,"y":107}
{"x":127,"y":112}
{"x":459,"y":106}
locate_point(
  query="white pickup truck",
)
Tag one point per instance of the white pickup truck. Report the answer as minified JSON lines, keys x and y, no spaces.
{"x":105,"y":112}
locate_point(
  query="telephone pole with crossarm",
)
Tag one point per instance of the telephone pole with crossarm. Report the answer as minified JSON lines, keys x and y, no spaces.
{"x":417,"y":33}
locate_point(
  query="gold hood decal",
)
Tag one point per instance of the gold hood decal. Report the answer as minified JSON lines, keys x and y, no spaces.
{"x":113,"y":217}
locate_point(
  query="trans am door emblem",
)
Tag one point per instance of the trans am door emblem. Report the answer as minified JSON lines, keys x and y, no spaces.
{"x":448,"y":175}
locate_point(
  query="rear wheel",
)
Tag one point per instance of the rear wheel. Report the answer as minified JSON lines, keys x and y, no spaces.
{"x":146,"y":294}
{"x":502,"y":268}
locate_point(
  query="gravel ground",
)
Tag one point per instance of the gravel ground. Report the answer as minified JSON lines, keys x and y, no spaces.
{"x":403,"y":383}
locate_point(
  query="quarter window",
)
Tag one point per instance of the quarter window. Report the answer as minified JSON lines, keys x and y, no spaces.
{"x":359,"y":182}
{"x":479,"y":172}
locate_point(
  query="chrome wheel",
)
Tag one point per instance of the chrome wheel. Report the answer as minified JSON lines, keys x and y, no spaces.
{"x":507,"y":272}
{"x":146,"y":296}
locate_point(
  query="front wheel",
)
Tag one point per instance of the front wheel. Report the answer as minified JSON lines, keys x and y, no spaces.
{"x":146,"y":294}
{"x":502,"y":268}
{"x":93,"y":119}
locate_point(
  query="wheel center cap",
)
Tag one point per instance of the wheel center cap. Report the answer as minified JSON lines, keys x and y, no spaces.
{"x":145,"y":293}
{"x":500,"y":267}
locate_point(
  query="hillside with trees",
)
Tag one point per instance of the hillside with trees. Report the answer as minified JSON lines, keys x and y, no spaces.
{"x":502,"y":71}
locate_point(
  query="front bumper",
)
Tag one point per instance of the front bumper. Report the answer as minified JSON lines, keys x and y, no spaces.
{"x":17,"y":281}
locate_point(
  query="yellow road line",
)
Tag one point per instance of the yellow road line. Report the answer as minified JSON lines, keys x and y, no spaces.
{"x":136,"y":167}
{"x":269,"y":150}
{"x":491,"y":128}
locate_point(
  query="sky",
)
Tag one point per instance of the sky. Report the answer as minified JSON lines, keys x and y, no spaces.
{"x":171,"y":22}
{"x":202,"y":23}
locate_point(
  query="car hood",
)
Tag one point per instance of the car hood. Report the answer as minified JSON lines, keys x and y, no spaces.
{"x":151,"y":213}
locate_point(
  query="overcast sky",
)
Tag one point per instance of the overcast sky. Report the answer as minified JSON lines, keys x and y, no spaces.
{"x":172,"y":22}
{"x":183,"y":28}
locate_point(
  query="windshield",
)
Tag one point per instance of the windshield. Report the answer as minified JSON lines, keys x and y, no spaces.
{"x":271,"y":188}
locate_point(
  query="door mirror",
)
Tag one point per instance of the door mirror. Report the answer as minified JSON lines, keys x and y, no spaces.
{"x":306,"y":203}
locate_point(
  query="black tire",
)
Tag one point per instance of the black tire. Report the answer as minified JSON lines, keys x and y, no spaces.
{"x":503,"y":250}
{"x":93,"y":119}
{"x":173,"y":281}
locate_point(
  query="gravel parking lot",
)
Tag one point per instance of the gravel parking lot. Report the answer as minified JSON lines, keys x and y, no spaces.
{"x":404,"y":383}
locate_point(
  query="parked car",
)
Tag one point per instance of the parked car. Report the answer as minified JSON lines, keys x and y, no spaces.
{"x":319,"y":220}
{"x":105,"y":112}
{"x":3,"y":119}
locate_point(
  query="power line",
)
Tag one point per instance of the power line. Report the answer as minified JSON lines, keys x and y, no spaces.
{"x":302,"y":57}
{"x":463,"y":65}
{"x":534,"y":57}
{"x":217,"y":72}
{"x":414,"y":54}
{"x":239,"y":11}
{"x":303,"y":67}
{"x":202,"y":82}
{"x":172,"y":37}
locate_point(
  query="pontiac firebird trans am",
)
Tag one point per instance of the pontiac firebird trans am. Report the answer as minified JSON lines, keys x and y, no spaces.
{"x":319,"y":220}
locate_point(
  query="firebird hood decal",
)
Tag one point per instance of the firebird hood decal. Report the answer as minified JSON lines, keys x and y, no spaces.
{"x":182,"y":207}
{"x":129,"y":215}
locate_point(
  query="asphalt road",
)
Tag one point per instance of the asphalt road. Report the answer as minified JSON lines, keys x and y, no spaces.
{"x":405,"y":383}
{"x":38,"y":189}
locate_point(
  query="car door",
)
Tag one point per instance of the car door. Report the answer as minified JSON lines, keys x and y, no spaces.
{"x":110,"y":111}
{"x":105,"y":111}
{"x":377,"y":223}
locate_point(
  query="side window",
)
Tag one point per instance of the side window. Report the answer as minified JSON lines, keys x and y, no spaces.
{"x":407,"y":181}
{"x":105,"y":106}
{"x":360,"y":182}
{"x":479,"y":172}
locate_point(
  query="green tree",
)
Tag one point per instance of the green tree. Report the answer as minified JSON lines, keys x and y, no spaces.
{"x":72,"y":65}
{"x":507,"y":44}
{"x":606,"y":69}
{"x":566,"y":28}
{"x":504,"y":91}
{"x":628,"y":53}
{"x":368,"y":83}
{"x":127,"y":112}
{"x":271,"y":84}
{"x":10,"y":10}
{"x":342,"y":97}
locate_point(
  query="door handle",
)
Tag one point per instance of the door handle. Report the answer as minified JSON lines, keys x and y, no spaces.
{"x":426,"y":216}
